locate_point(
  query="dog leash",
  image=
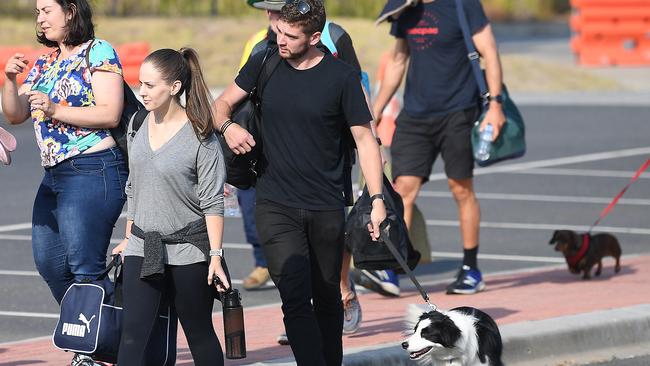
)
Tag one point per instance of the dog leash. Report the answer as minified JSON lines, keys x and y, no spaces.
{"x":611,"y":205}
{"x":385,"y":238}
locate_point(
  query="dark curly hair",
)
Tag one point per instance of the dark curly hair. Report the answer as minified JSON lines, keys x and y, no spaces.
{"x":80,"y":28}
{"x":311,"y":22}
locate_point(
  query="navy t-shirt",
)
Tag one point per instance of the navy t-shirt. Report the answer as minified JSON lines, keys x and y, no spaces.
{"x":439,"y":78}
{"x":304,"y":114}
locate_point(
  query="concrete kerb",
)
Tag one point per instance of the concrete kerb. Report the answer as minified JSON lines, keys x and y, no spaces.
{"x":582,"y":338}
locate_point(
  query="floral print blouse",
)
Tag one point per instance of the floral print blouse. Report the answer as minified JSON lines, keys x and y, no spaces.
{"x":67,"y":82}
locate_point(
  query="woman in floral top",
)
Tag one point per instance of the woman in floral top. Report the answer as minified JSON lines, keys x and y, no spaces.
{"x":72,"y":102}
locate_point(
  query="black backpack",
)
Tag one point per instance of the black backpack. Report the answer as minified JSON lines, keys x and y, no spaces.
{"x":131,"y":106}
{"x":242,"y":170}
{"x":375,"y":255}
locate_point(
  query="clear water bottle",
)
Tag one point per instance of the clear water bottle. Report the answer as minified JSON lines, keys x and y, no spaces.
{"x":485,"y":143}
{"x":230,"y":204}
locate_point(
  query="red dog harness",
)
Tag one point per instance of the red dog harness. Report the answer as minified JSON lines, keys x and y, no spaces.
{"x":575,"y":259}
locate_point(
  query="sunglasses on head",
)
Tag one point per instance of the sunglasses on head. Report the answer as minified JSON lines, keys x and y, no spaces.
{"x":302,"y":6}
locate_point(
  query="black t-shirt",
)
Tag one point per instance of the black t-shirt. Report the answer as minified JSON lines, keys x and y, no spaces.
{"x":439,"y":78}
{"x":304,"y":114}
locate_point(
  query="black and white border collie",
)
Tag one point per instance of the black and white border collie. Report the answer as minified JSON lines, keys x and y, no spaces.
{"x":462,"y":336}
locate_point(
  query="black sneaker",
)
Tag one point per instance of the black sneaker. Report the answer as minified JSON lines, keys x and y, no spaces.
{"x":468,"y":281}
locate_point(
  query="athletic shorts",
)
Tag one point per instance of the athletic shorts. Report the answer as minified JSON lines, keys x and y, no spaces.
{"x":418,"y":141}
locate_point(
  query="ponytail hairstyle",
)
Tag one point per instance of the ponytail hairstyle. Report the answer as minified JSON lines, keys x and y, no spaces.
{"x":183,"y":65}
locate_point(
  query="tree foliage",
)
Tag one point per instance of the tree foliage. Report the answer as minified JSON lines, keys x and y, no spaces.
{"x":499,"y":9}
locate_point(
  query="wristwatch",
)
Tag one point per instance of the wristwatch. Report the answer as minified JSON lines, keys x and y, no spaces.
{"x":497,"y":98}
{"x":378,"y":196}
{"x":216,"y":253}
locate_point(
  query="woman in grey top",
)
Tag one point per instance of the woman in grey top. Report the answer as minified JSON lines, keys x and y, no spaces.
{"x":172,"y":246}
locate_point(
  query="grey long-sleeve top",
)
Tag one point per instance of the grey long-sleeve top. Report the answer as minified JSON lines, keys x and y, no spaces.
{"x":173,"y":186}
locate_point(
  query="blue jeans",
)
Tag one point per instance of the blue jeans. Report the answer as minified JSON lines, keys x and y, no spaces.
{"x":246,"y":200}
{"x":75,"y":210}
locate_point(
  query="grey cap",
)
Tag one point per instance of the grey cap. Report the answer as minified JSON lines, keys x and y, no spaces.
{"x":275,"y":5}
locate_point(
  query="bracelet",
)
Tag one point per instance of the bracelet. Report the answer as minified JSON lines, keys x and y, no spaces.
{"x":225,"y":126}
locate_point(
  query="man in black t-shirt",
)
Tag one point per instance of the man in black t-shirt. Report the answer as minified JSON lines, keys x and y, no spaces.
{"x":441,"y":103}
{"x":335,"y":40}
{"x":310,"y":100}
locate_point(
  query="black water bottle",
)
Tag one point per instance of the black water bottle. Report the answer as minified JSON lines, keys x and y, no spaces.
{"x":233,"y":324}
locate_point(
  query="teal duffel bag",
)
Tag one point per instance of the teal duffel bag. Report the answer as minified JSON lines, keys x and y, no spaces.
{"x":511,"y":142}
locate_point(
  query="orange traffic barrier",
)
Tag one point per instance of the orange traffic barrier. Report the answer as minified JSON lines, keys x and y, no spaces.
{"x":386,"y":126}
{"x":611,"y":32}
{"x":131,"y":56}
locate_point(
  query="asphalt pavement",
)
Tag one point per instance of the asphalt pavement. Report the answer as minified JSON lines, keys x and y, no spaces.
{"x":578,"y":158}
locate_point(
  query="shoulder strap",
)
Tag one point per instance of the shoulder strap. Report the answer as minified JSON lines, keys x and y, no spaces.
{"x":472,"y":54}
{"x":88,"y":53}
{"x":271,"y":61}
{"x":331,"y":34}
{"x":138,"y":119}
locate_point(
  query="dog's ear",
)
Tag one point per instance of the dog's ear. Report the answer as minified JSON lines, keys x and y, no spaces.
{"x":554,"y":238}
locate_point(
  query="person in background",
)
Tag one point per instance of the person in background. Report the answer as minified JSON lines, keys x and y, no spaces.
{"x":72,"y":104}
{"x":173,"y":241}
{"x":309,"y":102}
{"x":441,"y":104}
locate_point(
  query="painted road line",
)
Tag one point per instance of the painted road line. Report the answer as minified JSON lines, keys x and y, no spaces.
{"x":16,"y":237}
{"x":19,"y":273}
{"x":243,"y":246}
{"x":541,"y":198}
{"x":16,"y":227}
{"x":501,"y":257}
{"x":582,"y":173}
{"x":28,"y":225}
{"x":507,"y":168}
{"x":525,"y":226}
{"x":24,"y":314}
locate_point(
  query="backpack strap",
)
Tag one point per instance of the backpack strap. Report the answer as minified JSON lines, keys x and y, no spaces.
{"x":88,"y":53}
{"x":331,"y":34}
{"x":271,"y":62}
{"x":136,"y":122}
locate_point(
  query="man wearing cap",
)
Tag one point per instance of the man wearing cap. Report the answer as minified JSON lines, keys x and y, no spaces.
{"x":441,"y":104}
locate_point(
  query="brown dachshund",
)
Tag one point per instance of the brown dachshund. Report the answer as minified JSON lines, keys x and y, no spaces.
{"x":582,"y":251}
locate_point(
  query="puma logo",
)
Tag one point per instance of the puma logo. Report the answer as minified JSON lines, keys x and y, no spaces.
{"x":83,"y":319}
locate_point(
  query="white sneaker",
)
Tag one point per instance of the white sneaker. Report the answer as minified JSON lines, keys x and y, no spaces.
{"x":83,"y":360}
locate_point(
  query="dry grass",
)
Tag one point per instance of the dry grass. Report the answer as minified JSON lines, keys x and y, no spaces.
{"x":220,"y":42}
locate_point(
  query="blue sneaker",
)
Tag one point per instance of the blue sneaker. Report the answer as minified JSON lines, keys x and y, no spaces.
{"x":383,"y":282}
{"x":468,"y":281}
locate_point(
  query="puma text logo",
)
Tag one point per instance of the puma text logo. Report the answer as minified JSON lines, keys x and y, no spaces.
{"x":77,"y":330}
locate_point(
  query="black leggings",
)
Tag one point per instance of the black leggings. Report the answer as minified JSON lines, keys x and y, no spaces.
{"x":193,"y":298}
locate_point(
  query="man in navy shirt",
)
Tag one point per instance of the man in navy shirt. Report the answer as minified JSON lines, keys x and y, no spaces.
{"x":441,"y":104}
